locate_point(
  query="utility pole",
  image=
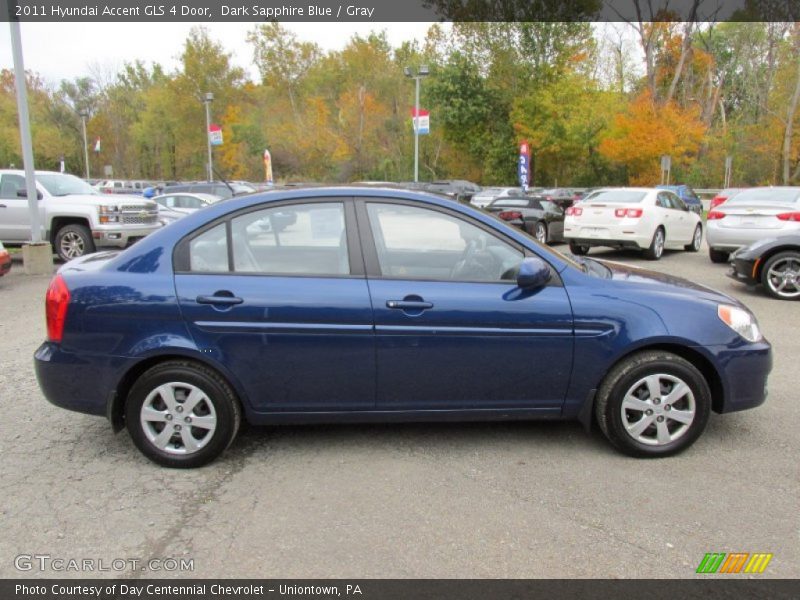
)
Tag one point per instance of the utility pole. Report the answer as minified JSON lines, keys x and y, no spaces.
{"x":84,"y":114}
{"x":209,"y":97}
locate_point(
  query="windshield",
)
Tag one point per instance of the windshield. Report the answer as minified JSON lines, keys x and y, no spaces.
{"x":59,"y":184}
{"x":617,"y":197}
{"x":766,"y":196}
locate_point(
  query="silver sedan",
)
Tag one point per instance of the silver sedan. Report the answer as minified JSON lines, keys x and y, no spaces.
{"x":752,"y":215}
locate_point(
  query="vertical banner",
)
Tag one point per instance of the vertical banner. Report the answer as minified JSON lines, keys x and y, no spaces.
{"x":97,"y":146}
{"x":268,"y":167}
{"x":215,"y":134}
{"x":421,"y":121}
{"x":524,"y":168}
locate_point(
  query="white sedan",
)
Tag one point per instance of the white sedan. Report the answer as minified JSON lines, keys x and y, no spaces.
{"x":645,"y":219}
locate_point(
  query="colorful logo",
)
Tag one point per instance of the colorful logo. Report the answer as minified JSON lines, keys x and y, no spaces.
{"x":734,"y":562}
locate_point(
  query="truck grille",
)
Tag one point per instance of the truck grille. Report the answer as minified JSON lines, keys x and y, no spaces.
{"x":139,"y":214}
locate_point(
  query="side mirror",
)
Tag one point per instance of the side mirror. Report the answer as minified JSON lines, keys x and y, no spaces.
{"x":24,"y":194}
{"x":533,"y":273}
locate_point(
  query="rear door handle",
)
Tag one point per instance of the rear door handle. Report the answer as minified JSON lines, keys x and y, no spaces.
{"x":409,"y":304}
{"x":224,"y":300}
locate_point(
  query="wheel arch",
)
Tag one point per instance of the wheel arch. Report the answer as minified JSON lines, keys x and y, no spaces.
{"x":693,"y":356}
{"x":58,"y":222}
{"x":769,"y":254}
{"x":115,"y":407}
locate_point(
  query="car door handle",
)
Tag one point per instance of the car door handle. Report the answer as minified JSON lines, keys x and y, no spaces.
{"x":220,"y":299}
{"x":409,"y":304}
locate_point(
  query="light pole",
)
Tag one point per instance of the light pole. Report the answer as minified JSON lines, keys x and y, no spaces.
{"x":209,"y":98}
{"x":422,"y":72}
{"x":83,"y":114}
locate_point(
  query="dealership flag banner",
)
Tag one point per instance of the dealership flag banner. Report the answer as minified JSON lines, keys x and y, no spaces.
{"x":97,"y":146}
{"x":268,"y":167}
{"x":524,"y":165}
{"x":421,"y":121}
{"x":215,"y":134}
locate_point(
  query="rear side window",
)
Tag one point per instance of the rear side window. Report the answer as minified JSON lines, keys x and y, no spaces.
{"x":208,"y":252}
{"x":299,"y":239}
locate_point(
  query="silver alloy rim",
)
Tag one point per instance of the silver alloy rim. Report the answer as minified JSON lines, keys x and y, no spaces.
{"x":178,"y":418}
{"x":783,"y":277}
{"x":72,"y":245}
{"x":659,"y":245}
{"x":658,"y":409}
{"x":541,"y":233}
{"x":698,"y":238}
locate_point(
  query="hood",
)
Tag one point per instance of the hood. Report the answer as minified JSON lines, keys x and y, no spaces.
{"x":665,"y":284}
{"x":108,"y":200}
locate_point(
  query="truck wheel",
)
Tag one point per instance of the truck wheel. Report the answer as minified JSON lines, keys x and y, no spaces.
{"x":73,"y":241}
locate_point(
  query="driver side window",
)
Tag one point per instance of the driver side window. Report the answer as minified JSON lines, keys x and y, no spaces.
{"x":418,"y":243}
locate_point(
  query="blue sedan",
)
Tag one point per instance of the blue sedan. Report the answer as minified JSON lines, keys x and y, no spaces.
{"x":360,"y":305}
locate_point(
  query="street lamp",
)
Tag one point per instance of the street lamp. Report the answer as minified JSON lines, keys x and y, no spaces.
{"x":85,"y":115}
{"x":207,"y":100}
{"x":421,"y":72}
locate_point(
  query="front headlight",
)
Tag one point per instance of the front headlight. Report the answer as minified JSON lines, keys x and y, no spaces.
{"x":741,"y":321}
{"x":108,"y":213}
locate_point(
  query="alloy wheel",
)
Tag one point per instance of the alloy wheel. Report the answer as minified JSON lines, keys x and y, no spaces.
{"x":178,"y":418}
{"x":72,"y":245}
{"x":783,"y":277}
{"x":658,"y":409}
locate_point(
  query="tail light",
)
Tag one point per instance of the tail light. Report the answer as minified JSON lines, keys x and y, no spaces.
{"x":574,"y":211}
{"x":714,"y":215}
{"x":790,"y":216}
{"x":510,"y":215}
{"x":56,"y":303}
{"x":716,"y":201}
{"x":631,"y":213}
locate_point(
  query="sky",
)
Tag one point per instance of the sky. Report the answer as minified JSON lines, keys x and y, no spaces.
{"x":68,"y":50}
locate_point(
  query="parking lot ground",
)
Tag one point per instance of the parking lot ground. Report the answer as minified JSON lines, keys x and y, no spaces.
{"x":446,"y":500}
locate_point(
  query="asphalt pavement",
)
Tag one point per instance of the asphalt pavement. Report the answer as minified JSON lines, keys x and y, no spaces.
{"x":495,"y":500}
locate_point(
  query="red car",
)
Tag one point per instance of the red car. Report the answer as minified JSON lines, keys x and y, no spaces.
{"x":5,"y":260}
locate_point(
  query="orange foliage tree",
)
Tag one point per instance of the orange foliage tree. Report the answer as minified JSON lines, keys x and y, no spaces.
{"x":645,"y":131}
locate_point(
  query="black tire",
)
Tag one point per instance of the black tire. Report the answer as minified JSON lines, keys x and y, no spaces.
{"x":627,"y":374}
{"x":656,"y":249}
{"x":793,"y":290}
{"x":73,"y":241}
{"x":718,"y":256}
{"x":697,"y":240}
{"x":578,"y":249}
{"x":221,"y":397}
{"x":540,"y":232}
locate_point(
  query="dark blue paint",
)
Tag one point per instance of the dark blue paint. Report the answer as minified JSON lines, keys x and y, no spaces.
{"x":327,"y":349}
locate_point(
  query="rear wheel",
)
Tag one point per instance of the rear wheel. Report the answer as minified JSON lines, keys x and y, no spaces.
{"x":718,"y":256}
{"x":73,"y":241}
{"x":578,"y":249}
{"x":653,"y":404}
{"x":182,"y":414}
{"x":697,"y":239}
{"x":656,"y":249}
{"x":540,"y":232}
{"x":781,"y":276}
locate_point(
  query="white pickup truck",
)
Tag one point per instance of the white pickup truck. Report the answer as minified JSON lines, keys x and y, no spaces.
{"x":75,"y":218}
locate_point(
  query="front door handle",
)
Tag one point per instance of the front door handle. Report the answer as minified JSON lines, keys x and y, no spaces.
{"x":220,"y":298}
{"x":409,"y":304}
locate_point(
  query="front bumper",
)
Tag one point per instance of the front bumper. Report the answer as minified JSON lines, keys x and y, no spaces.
{"x":744,"y":371}
{"x":121,"y":237}
{"x":744,"y":270}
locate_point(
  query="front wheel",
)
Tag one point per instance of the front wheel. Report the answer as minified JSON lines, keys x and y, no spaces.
{"x":697,"y":239}
{"x":781,"y":276}
{"x":653,"y":404}
{"x":73,"y":241}
{"x":182,"y":414}
{"x":656,"y":249}
{"x":578,"y":249}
